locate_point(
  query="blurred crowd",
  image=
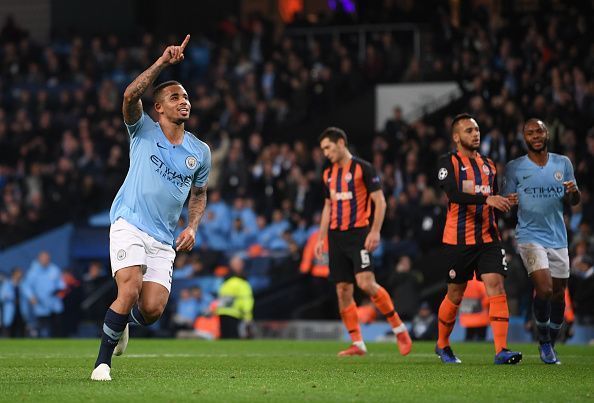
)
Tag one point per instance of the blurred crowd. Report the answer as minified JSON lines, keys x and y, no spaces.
{"x":64,"y":151}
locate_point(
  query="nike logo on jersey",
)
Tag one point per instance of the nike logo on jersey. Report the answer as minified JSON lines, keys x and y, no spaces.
{"x":464,"y":168}
{"x":160,"y":146}
{"x":526,"y":177}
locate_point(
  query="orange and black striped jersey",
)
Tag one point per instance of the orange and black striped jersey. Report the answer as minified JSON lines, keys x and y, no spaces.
{"x":348,"y":188}
{"x":468,"y":182}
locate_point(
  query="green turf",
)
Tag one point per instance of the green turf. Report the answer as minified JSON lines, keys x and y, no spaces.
{"x":189,"y":370}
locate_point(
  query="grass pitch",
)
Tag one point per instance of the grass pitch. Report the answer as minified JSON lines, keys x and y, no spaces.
{"x":283,"y":371}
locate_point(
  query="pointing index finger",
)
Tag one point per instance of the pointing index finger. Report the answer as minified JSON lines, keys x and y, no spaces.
{"x":185,"y":42}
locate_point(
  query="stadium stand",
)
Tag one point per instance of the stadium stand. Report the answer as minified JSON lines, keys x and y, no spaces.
{"x":63,"y":147}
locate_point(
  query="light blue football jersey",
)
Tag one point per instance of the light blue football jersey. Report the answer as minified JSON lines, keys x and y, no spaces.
{"x":159,"y":179}
{"x":540,"y":192}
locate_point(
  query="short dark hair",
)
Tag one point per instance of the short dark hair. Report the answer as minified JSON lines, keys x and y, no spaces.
{"x":157,"y":89}
{"x":333,"y":134}
{"x":461,"y":116}
{"x":534,"y":120}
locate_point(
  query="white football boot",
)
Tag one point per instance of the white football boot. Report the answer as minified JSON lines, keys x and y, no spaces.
{"x":101,"y":373}
{"x":123,"y":342}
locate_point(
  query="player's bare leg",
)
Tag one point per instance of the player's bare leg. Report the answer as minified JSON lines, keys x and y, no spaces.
{"x":151,"y":304}
{"x":129,"y":282}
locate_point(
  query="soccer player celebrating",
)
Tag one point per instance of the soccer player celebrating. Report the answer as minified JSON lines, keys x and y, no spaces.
{"x":471,"y":238}
{"x":166,"y":164}
{"x":350,"y":185}
{"x":540,"y":182}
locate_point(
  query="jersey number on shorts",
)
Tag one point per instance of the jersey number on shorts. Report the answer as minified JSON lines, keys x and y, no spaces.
{"x":365,"y":261}
{"x":503,"y":261}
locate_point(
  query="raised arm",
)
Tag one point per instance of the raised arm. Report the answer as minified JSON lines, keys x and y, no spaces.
{"x":132,"y":105}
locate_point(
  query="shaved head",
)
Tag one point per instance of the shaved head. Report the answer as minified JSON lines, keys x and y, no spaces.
{"x":536,"y":121}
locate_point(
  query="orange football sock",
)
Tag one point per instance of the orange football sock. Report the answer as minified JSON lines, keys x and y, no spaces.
{"x":351,"y":322}
{"x":499,"y":317}
{"x":382,"y":301}
{"x":447,"y":319}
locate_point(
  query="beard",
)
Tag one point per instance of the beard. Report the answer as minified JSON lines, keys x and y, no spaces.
{"x":469,"y":146}
{"x":538,"y":150}
{"x":181,"y":120}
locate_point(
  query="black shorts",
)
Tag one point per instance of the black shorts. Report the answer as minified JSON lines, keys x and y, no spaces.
{"x":462,"y":261}
{"x":347,"y":254}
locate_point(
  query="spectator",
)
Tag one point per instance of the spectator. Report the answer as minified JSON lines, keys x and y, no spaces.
{"x":582,"y":289}
{"x":404,"y":282}
{"x":474,"y":311}
{"x":187,"y":310}
{"x":424,"y":324}
{"x":15,"y":307}
{"x":42,"y":283}
{"x":98,"y":292}
{"x":235,"y":302}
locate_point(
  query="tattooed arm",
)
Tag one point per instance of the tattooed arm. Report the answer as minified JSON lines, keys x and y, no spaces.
{"x":132,"y":106}
{"x":196,"y":206}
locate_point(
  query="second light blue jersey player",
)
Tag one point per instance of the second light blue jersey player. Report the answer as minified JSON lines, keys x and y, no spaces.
{"x":540,"y":192}
{"x":159,"y":179}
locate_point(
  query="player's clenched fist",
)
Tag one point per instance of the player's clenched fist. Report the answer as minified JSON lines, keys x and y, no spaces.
{"x":570,"y":186}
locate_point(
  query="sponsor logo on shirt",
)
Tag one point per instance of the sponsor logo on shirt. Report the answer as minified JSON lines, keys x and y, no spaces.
{"x":544,"y":192}
{"x":341,"y":195}
{"x":169,"y":174}
{"x":484,"y":189}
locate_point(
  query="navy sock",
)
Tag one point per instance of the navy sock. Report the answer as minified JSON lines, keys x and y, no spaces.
{"x":136,"y":317}
{"x":557,"y":315}
{"x":542,"y":316}
{"x":112,"y":331}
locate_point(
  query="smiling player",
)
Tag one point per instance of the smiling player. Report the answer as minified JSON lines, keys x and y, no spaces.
{"x":540,"y":182}
{"x":166,"y":164}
